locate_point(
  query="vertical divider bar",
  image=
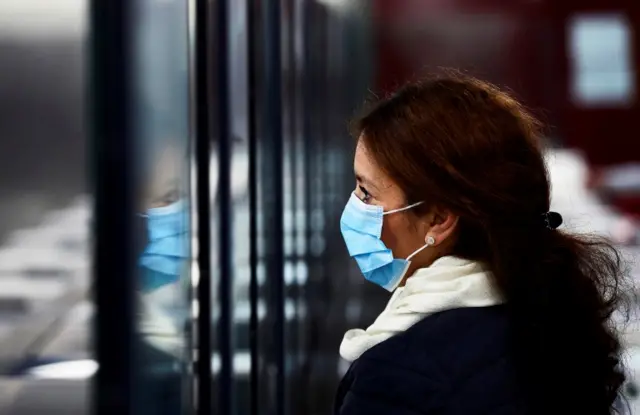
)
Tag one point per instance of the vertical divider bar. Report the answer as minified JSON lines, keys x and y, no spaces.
{"x":252,"y":84}
{"x":203,"y":208}
{"x":310,"y":196}
{"x":190,"y":380}
{"x":225,"y":214}
{"x":113,"y":156}
{"x":275,"y":160}
{"x":292,"y":292}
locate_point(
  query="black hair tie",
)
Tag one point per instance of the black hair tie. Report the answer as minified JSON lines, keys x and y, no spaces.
{"x":552,"y":220}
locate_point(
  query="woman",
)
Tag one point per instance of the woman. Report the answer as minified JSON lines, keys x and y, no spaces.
{"x":494,"y":310}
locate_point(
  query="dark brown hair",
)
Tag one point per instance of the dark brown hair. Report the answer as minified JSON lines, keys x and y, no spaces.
{"x":463,"y":145}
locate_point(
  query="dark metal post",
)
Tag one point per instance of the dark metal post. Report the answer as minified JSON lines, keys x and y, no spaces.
{"x":272,"y":154}
{"x":203,"y":207}
{"x":222,"y":134}
{"x":114,"y":188}
{"x":252,"y":85}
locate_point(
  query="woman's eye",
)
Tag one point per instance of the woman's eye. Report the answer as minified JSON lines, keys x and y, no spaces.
{"x":365,"y":194}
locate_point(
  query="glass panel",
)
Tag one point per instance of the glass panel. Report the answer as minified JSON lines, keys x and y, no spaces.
{"x":238,"y":96}
{"x":161,"y":103}
{"x":269,"y":205}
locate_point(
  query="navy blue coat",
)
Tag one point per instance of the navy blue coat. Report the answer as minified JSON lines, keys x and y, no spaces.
{"x":454,"y":362}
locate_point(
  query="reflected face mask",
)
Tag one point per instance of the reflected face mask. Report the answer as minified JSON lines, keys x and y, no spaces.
{"x":166,"y":253}
{"x":361,"y":227}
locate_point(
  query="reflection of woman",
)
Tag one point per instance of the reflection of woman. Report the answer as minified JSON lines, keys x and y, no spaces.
{"x":164,"y":258}
{"x":163,"y":305}
{"x":494,"y":310}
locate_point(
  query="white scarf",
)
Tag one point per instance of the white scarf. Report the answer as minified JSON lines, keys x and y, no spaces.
{"x":450,"y":282}
{"x":158,"y":328}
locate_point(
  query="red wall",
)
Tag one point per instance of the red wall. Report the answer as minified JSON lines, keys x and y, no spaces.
{"x":608,"y":135}
{"x":521,"y":45}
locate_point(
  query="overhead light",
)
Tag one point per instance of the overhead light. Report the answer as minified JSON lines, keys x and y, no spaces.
{"x":340,"y":5}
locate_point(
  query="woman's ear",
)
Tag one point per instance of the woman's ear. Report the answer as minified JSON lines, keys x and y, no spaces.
{"x":443,"y":225}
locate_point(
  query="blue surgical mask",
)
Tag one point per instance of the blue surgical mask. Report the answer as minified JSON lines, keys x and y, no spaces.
{"x":361,"y":226}
{"x":165,"y":256}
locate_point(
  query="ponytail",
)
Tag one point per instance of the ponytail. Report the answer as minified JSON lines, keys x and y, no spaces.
{"x":561,"y":290}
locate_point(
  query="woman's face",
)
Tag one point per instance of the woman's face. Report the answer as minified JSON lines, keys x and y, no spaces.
{"x":164,"y":187}
{"x":402,"y":232}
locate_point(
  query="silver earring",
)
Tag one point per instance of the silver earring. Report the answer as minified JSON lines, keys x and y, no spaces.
{"x":430,"y":240}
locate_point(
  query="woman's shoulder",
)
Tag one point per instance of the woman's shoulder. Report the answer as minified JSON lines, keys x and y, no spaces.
{"x":469,"y":330}
{"x":444,"y":361}
{"x":449,"y":347}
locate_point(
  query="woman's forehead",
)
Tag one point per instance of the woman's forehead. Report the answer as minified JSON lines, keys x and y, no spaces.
{"x":367,"y":171}
{"x":363,"y":165}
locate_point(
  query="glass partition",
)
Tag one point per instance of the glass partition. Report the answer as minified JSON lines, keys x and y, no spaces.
{"x":142,"y":257}
{"x":161,"y":127}
{"x":271,"y":165}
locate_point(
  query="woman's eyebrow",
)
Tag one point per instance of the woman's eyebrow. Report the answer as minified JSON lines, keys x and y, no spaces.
{"x":365,"y":181}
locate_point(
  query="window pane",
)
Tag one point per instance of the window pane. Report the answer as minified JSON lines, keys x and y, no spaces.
{"x":161,"y":102}
{"x":601,"y":63}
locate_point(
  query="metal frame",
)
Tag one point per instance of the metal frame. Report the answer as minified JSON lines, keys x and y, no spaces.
{"x":273,"y":178}
{"x":204,"y":398}
{"x":114,"y":156}
{"x":252,"y":127}
{"x":222,"y":133}
{"x":212,"y":125}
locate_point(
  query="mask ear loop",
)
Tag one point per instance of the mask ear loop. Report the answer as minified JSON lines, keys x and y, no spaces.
{"x":388,"y":212}
{"x":429,"y":241}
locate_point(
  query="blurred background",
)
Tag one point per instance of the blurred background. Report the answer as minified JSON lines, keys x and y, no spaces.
{"x":266,"y":88}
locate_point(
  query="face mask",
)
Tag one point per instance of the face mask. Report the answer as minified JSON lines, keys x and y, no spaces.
{"x":167,"y":251}
{"x":361,"y":227}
